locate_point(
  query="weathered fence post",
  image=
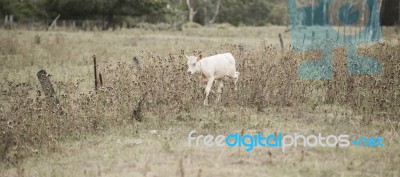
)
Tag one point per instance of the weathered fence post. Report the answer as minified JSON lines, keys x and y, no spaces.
{"x":344,"y":35}
{"x":327,"y":34}
{"x":337,"y":36}
{"x":137,"y":111}
{"x":241,"y":48}
{"x":95,"y":73}
{"x":281,"y":41}
{"x":136,"y":61}
{"x":48,"y":89}
{"x":101,"y":80}
{"x":312,"y":37}
{"x":11,"y":19}
{"x":54,"y":23}
{"x":47,"y":86}
{"x":8,"y":21}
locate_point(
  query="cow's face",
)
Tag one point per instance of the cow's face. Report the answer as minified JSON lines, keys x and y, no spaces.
{"x":192,"y":64}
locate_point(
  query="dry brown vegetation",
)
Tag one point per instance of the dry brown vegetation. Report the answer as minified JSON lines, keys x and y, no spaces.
{"x":269,"y":91}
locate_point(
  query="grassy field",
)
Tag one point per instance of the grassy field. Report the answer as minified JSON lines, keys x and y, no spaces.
{"x":98,"y":136}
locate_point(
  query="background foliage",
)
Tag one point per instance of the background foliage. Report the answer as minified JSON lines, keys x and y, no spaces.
{"x":235,"y":12}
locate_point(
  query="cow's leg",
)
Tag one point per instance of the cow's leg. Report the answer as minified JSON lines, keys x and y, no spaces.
{"x":208,"y":89}
{"x":203,"y":84}
{"x":235,"y":79}
{"x":220,"y":84}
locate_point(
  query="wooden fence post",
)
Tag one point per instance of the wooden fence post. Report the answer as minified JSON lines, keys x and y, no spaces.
{"x":54,"y":23}
{"x":95,"y":73}
{"x":101,"y":80}
{"x":11,"y":19}
{"x":136,"y":62}
{"x":137,"y":110}
{"x":312,"y":37}
{"x":48,"y":89}
{"x":327,"y":34}
{"x":241,"y":48}
{"x":47,"y":86}
{"x":344,"y":35}
{"x":337,"y":36}
{"x":281,"y":41}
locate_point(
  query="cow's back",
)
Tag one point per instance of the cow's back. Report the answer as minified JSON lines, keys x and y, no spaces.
{"x":225,"y":58}
{"x":220,"y":65}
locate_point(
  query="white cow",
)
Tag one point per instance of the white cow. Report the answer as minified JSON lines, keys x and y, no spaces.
{"x":213,"y":68}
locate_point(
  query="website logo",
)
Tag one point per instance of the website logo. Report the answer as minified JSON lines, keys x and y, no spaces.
{"x":327,"y":24}
{"x":281,"y":141}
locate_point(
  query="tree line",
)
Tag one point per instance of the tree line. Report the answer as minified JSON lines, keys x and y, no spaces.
{"x":204,"y":12}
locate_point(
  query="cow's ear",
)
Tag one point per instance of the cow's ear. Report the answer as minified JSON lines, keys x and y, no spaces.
{"x":200,"y":56}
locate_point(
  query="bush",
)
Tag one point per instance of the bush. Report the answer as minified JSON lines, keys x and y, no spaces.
{"x":223,"y":26}
{"x":268,"y":78}
{"x":191,"y":25}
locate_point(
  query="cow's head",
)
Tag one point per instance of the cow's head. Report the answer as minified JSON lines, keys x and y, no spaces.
{"x":192,"y":62}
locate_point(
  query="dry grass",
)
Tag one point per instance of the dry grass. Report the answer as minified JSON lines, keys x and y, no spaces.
{"x":271,"y":98}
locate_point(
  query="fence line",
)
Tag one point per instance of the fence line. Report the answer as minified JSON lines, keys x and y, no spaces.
{"x":86,"y":25}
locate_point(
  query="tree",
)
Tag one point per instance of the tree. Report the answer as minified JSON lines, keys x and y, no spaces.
{"x":134,"y":8}
{"x":207,"y":6}
{"x":202,"y":8}
{"x":106,"y":10}
{"x":21,"y":10}
{"x":191,"y":11}
{"x":246,"y":12}
{"x":215,"y":13}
